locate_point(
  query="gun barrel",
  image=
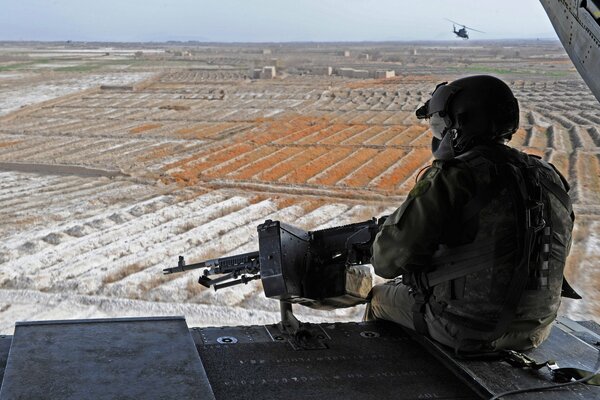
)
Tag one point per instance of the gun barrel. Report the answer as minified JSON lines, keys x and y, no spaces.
{"x":181,"y":266}
{"x":230,"y":268}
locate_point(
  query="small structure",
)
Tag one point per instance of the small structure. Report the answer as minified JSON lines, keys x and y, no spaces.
{"x":360,"y":73}
{"x":277,"y":62}
{"x":384,"y":74}
{"x":256,"y":73}
{"x":345,"y":72}
{"x":353,"y":73}
{"x":266,"y":51}
{"x":268,"y":72}
{"x":365,"y":56}
{"x":322,"y":71}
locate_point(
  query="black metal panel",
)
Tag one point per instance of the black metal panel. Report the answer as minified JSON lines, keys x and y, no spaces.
{"x":126,"y":358}
{"x":372,"y":360}
{"x":5,"y":342}
{"x":493,"y":377}
{"x":588,"y":331}
{"x":580,"y":36}
{"x":279,"y":241}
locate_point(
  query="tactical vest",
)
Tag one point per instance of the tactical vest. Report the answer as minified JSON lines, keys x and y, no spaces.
{"x":512,"y":269}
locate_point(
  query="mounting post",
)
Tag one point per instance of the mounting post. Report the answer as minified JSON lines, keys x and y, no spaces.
{"x":289,"y":323}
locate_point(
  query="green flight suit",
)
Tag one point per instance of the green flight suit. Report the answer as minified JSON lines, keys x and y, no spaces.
{"x":432,"y":218}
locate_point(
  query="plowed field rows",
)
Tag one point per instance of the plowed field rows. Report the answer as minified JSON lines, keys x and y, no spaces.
{"x":102,"y":188}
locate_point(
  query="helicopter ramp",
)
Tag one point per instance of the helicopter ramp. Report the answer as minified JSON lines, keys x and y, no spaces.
{"x":161,"y":358}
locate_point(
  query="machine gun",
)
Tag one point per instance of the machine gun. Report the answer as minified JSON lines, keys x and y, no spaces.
{"x":321,"y":269}
{"x":233,"y":270}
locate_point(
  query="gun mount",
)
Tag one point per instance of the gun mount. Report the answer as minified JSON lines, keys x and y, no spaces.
{"x":321,"y":269}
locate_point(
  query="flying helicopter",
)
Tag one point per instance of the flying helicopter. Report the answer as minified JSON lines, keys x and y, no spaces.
{"x":462,"y":32}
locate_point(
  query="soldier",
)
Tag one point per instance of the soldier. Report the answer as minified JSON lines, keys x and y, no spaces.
{"x":478,"y":248}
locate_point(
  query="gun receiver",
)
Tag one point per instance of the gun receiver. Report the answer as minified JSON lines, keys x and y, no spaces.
{"x":314,"y":268}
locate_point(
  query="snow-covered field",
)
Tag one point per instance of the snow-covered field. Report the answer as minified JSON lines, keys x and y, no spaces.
{"x":100,"y":189}
{"x":99,"y":250}
{"x":13,"y":98}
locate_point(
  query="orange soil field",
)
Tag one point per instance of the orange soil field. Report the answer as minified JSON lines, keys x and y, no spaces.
{"x":239,"y":161}
{"x":334,"y":175}
{"x":298,"y":132}
{"x":561,"y":161}
{"x":323,"y":134}
{"x":588,"y":167}
{"x":539,"y":137}
{"x":363,"y":118}
{"x":295,"y":149}
{"x":424,"y":139}
{"x":8,"y":144}
{"x":343,"y":134}
{"x":317,"y":165}
{"x":519,"y":138}
{"x":277,"y":156}
{"x":189,"y":169}
{"x":407,"y":136}
{"x":158,"y":152}
{"x":302,"y":157}
{"x":144,"y":128}
{"x":413,"y":161}
{"x":386,"y":135}
{"x":365,"y":135}
{"x":377,"y":165}
{"x":288,"y":130}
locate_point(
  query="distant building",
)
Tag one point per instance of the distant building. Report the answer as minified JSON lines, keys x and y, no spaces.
{"x":360,"y":74}
{"x":384,"y":74}
{"x":266,"y":51}
{"x":365,"y":56}
{"x":322,"y":71}
{"x":276,"y":62}
{"x":256,"y":73}
{"x":353,"y":73}
{"x":345,"y":72}
{"x":268,"y":72}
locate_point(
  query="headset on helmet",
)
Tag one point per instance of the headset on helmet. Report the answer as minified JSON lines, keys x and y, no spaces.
{"x":476,"y":109}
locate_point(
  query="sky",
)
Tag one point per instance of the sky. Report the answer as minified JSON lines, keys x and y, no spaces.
{"x":269,"y":20}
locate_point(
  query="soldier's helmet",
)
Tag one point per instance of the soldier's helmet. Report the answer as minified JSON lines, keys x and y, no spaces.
{"x":475,"y":109}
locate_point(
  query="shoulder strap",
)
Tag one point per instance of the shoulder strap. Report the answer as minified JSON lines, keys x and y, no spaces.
{"x":560,"y":193}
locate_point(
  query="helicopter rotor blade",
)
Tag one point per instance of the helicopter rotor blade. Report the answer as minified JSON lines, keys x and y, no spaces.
{"x":454,"y":22}
{"x":464,"y":26}
{"x":473,"y":29}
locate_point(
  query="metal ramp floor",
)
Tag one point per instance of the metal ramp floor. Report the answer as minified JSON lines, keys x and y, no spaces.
{"x":161,"y":358}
